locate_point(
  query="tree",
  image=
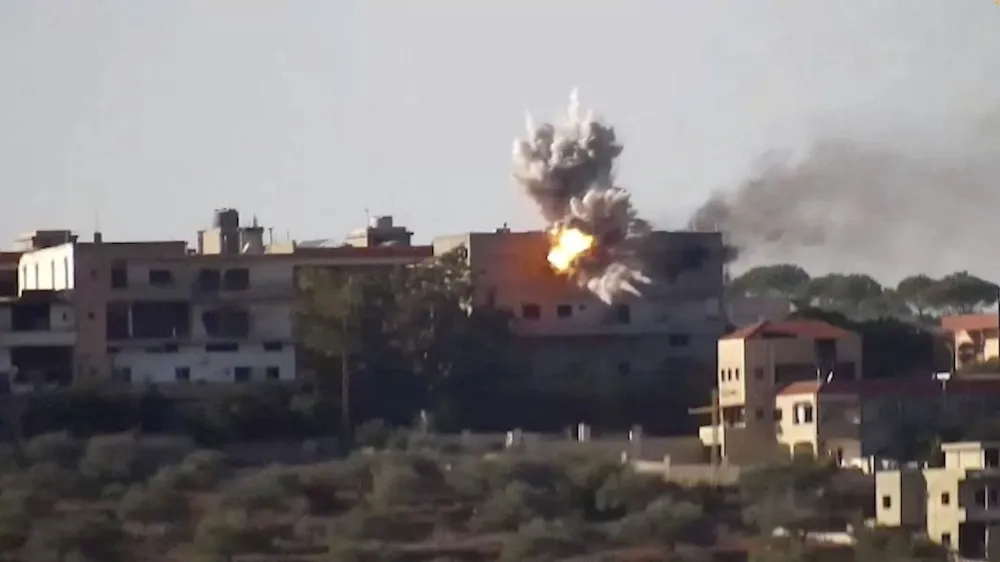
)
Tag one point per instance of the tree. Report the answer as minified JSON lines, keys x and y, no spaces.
{"x":340,"y":318}
{"x":915,"y":292}
{"x":962,"y":293}
{"x":845,"y":292}
{"x":784,"y":280}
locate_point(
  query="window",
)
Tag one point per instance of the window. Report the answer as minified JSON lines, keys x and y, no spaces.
{"x":946,"y":499}
{"x":945,"y":539}
{"x":182,"y":374}
{"x":980,"y":498}
{"x":236,"y":279}
{"x":209,"y":280}
{"x":273,"y":346}
{"x":161,"y":278}
{"x":273,"y":373}
{"x":624,"y":368}
{"x":777,"y":414}
{"x":564,"y":310}
{"x":802,"y":413}
{"x":679,"y":340}
{"x":736,"y":373}
{"x":119,"y":275}
{"x":122,"y":374}
{"x":531,"y":311}
{"x":758,"y":373}
{"x":886,"y":502}
{"x":241,"y":374}
{"x":991,"y":457}
{"x":228,"y":347}
{"x":623,"y":314}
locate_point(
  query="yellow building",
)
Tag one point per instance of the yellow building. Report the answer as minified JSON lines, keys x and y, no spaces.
{"x":957,"y":503}
{"x":975,"y":337}
{"x":763,"y":413}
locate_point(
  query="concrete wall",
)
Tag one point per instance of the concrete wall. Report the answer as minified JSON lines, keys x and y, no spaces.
{"x":205,"y":366}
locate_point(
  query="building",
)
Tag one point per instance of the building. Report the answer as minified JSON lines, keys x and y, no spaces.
{"x":975,"y":338}
{"x":569,"y":337}
{"x":957,"y":503}
{"x":761,"y":413}
{"x":156,"y":312}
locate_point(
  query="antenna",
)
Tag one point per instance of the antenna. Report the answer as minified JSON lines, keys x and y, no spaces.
{"x":368,"y":217}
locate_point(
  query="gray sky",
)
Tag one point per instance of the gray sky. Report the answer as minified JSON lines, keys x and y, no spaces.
{"x":307,"y":112}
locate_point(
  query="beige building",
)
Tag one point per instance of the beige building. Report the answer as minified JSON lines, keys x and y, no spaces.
{"x":956,"y":503}
{"x":157,"y":312}
{"x":571,"y":338}
{"x":975,"y":337}
{"x":771,"y":396}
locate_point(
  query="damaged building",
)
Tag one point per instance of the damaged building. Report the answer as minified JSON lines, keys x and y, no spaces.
{"x":570,"y":336}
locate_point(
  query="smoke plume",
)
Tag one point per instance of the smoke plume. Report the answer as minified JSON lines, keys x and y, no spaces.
{"x":567,"y":168}
{"x":889,"y":210}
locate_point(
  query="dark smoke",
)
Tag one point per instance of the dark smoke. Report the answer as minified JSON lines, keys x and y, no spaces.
{"x":882,"y":209}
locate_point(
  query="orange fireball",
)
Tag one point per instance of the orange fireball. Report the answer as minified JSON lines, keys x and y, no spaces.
{"x":568,"y":244}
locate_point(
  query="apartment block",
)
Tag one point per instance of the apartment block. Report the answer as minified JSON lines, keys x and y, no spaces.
{"x":957,"y":502}
{"x":570,"y":337}
{"x":975,"y":338}
{"x":157,"y":312}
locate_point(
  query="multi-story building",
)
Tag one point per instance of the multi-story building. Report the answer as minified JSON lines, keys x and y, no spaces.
{"x":975,"y":338}
{"x":759,"y":416}
{"x":157,"y":312}
{"x":956,"y":503}
{"x":571,"y":337}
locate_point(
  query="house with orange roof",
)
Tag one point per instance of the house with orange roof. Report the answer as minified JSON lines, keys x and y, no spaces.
{"x":975,"y":337}
{"x":758,"y":361}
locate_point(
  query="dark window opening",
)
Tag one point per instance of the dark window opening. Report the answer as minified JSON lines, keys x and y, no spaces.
{"x":777,"y":414}
{"x":209,"y":280}
{"x":826,"y":353}
{"x":50,"y":365}
{"x":991,"y":457}
{"x":171,"y":348}
{"x":624,"y":368}
{"x":564,"y":310}
{"x":793,"y":372}
{"x":182,"y":374}
{"x":623,"y":314}
{"x":945,"y":539}
{"x":8,"y":283}
{"x":161,"y":278}
{"x":122,"y":374}
{"x":679,"y":340}
{"x":30,"y":317}
{"x":223,"y":347}
{"x":886,"y":502}
{"x":531,"y":311}
{"x":119,"y":275}
{"x":236,"y":279}
{"x":273,"y":346}
{"x":946,"y":499}
{"x":273,"y":373}
{"x":980,"y":498}
{"x":117,"y":324}
{"x":226,"y":323}
{"x":241,"y":374}
{"x":160,"y":319}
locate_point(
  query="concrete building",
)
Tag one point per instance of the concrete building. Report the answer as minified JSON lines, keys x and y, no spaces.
{"x":975,"y":338}
{"x":155,"y":312}
{"x":756,"y":420}
{"x":956,"y":503}
{"x":570,"y":337}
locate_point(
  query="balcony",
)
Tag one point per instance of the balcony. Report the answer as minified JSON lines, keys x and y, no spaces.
{"x":44,"y":337}
{"x":276,"y":291}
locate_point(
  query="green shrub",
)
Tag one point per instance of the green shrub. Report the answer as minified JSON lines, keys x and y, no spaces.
{"x":543,"y":541}
{"x":272,"y":489}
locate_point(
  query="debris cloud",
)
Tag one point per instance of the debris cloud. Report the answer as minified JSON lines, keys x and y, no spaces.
{"x":567,"y":168}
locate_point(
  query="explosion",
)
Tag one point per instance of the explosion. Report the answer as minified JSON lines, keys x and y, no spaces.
{"x":568,"y":170}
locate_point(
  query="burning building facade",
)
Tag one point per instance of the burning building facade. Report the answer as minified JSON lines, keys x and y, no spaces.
{"x":569,"y":335}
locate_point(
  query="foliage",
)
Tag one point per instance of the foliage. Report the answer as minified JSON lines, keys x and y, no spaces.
{"x":224,"y":534}
{"x":270,"y":489}
{"x":664,"y":520}
{"x":86,"y":537}
{"x":153,"y":503}
{"x":861,"y":296}
{"x":541,"y":540}
{"x":110,"y":458}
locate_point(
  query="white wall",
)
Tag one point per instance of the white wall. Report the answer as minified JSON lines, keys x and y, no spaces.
{"x":205,"y":366}
{"x":49,"y":269}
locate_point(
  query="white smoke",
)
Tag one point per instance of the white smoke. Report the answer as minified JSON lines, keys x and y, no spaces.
{"x":567,"y":168}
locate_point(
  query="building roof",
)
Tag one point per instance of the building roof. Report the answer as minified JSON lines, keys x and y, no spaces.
{"x":965,"y":322}
{"x":902,"y":386}
{"x":811,"y":329}
{"x":9,"y":258}
{"x":308,"y":255}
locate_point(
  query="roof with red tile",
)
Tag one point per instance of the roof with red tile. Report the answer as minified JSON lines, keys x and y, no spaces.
{"x":965,"y":322}
{"x":903,"y":386}
{"x":813,"y":329}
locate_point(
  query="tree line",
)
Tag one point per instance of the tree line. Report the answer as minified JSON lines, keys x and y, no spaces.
{"x":860,"y":295}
